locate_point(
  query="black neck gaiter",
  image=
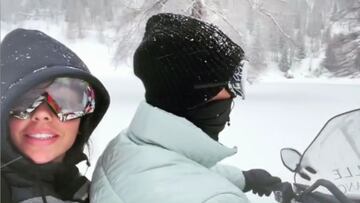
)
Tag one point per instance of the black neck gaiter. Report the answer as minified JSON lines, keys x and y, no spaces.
{"x":211,"y":117}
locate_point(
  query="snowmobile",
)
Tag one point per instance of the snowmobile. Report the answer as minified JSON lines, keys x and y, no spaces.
{"x":329,"y":169}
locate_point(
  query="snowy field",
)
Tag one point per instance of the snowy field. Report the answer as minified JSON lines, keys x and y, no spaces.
{"x":276,"y":113}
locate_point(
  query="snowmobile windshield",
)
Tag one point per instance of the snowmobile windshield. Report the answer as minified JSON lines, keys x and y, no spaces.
{"x":335,"y":155}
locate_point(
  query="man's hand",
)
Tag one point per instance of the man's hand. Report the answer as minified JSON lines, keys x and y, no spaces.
{"x":259,"y":181}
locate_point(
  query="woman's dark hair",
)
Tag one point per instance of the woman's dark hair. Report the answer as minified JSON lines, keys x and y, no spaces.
{"x":75,"y":153}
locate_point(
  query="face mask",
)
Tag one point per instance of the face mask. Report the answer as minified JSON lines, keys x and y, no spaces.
{"x":211,"y":117}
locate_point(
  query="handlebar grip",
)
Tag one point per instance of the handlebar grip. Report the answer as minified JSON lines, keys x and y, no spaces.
{"x":283,"y":192}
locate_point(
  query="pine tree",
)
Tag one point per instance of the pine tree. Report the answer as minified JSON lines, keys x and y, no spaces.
{"x":75,"y":15}
{"x":342,"y":54}
{"x":357,"y":61}
{"x":250,"y":21}
{"x":256,"y":54}
{"x":330,"y":61}
{"x":198,"y":9}
{"x":284,"y":64}
{"x":300,"y":52}
{"x":315,"y":23}
{"x":326,"y":36}
{"x":274,"y":42}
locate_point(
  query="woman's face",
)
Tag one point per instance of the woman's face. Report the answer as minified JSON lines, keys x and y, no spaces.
{"x":43,"y":137}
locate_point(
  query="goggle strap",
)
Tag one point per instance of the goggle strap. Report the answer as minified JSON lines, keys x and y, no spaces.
{"x":210,"y":85}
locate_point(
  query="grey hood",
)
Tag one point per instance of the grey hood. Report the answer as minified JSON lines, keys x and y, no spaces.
{"x":29,"y":57}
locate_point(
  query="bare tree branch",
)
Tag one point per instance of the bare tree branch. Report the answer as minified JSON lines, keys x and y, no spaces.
{"x":156,"y":6}
{"x":341,"y":14}
{"x":197,"y":9}
{"x":266,"y":13}
{"x":128,"y":7}
{"x":128,"y":36}
{"x":251,"y":4}
{"x":226,"y":21}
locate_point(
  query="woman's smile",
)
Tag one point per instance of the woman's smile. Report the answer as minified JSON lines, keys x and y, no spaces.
{"x":43,"y":137}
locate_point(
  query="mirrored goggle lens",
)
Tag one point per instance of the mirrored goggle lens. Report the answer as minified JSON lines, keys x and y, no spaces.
{"x":236,"y":83}
{"x":69,"y":98}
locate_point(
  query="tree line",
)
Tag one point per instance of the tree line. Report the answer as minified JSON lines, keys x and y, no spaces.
{"x":284,"y":34}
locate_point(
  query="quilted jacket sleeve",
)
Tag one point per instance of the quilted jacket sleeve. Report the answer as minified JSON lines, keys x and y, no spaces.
{"x":101,"y":189}
{"x":231,"y":173}
{"x":227,"y":198}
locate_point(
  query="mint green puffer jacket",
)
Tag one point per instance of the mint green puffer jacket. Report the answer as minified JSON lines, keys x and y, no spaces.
{"x":163,"y":158}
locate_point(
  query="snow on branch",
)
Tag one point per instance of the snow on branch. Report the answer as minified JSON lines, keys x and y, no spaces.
{"x":268,"y":14}
{"x":259,"y":7}
{"x":341,"y":14}
{"x":225,"y":20}
{"x":157,"y":6}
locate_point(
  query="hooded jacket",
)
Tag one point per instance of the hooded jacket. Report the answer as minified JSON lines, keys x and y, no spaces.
{"x":164,"y":158}
{"x":28,"y":58}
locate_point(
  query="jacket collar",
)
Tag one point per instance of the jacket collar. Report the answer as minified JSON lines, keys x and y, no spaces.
{"x":155,"y":126}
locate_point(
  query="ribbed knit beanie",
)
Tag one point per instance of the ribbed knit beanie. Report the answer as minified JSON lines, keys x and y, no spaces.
{"x":184,"y":62}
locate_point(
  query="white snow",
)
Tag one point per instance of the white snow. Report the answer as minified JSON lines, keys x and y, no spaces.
{"x":277,"y":112}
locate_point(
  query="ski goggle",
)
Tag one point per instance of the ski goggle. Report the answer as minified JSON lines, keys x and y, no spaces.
{"x":68,"y":98}
{"x":235,"y":85}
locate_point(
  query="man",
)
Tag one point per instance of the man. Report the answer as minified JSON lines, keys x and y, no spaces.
{"x":191,"y":72}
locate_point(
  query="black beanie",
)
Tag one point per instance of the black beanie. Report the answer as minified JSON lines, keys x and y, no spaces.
{"x":184,"y":62}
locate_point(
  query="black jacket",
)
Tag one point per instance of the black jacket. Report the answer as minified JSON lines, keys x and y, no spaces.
{"x":28,"y":58}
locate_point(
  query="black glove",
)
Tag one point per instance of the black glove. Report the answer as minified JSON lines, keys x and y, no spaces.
{"x":260,"y":181}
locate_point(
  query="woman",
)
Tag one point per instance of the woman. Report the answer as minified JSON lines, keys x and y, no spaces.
{"x":50,"y":105}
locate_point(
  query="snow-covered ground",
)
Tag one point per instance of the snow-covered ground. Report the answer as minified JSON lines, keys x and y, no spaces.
{"x":277,"y":113}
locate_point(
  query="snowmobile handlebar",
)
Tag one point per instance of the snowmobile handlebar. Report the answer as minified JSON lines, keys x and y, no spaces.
{"x":335,"y":191}
{"x":284,"y":193}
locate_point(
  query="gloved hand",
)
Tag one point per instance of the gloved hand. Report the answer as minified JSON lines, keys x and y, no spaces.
{"x":259,"y":181}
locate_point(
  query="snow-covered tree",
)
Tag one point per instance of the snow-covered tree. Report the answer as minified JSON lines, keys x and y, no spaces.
{"x":342,"y":54}
{"x":257,"y":54}
{"x":285,"y":60}
{"x":198,"y":9}
{"x":75,"y":15}
{"x":305,"y":26}
{"x":300,"y":50}
{"x":274,"y":43}
{"x":250,"y":21}
{"x":343,"y":50}
{"x":330,"y":61}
